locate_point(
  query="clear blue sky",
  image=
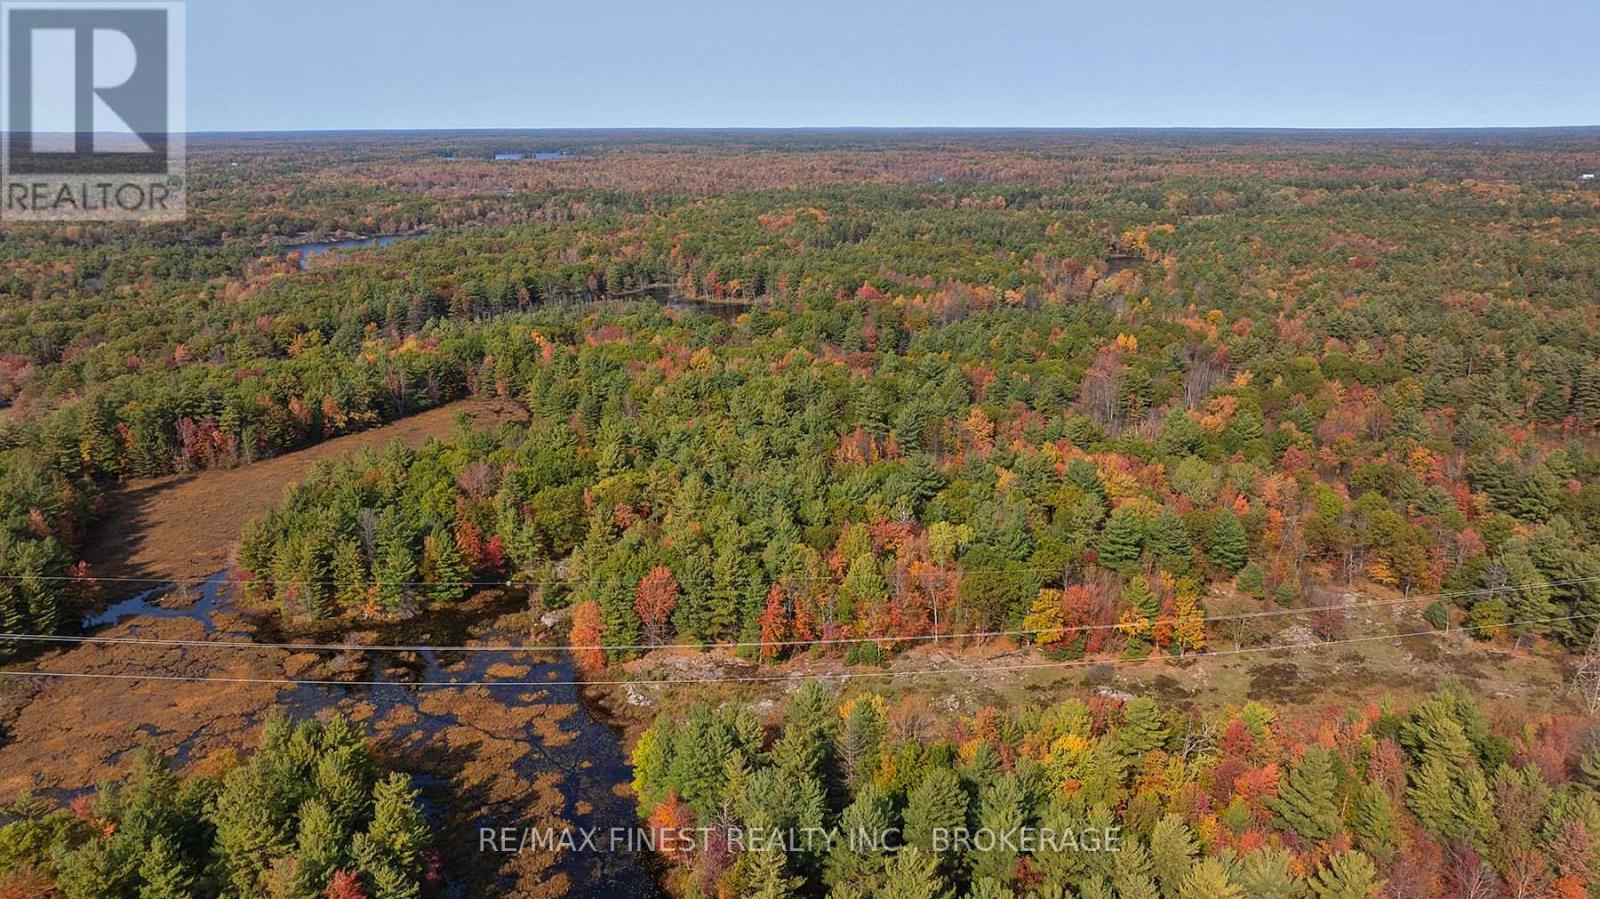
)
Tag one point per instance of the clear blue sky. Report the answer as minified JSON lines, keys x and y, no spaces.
{"x":309,"y":64}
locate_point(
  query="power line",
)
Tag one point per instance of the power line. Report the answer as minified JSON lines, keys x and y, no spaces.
{"x":832,"y":641}
{"x":843,"y":675}
{"x":176,"y":582}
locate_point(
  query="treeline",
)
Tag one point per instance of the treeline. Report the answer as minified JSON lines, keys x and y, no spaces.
{"x":308,"y":814}
{"x":853,"y":797}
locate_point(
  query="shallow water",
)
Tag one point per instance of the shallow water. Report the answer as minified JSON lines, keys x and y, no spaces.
{"x":318,"y":247}
{"x":590,"y":764}
{"x":146,"y":604}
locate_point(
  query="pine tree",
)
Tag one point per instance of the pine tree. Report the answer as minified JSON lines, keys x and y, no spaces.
{"x":1531,"y":602}
{"x":444,"y":568}
{"x":1141,"y":730}
{"x":164,"y":873}
{"x":1374,"y":820}
{"x":107,"y":867}
{"x":1141,"y":599}
{"x":249,"y":817}
{"x":863,"y":589}
{"x":1000,"y":812}
{"x":1172,"y":853}
{"x":13,"y":614}
{"x":1133,"y":872}
{"x":1435,"y":734}
{"x":1229,"y":543}
{"x":913,"y":874}
{"x":1122,"y":541}
{"x":860,"y":741}
{"x":808,"y":733}
{"x":937,"y":803}
{"x":1267,"y":874}
{"x":349,"y":575}
{"x":319,"y":845}
{"x":1431,"y":797}
{"x":1304,"y":803}
{"x":1347,"y":875}
{"x":1589,"y":770}
{"x":862,"y":840}
{"x":343,"y":782}
{"x":1169,"y":542}
{"x":1133,"y":885}
{"x":1550,"y":373}
{"x":1252,"y":581}
{"x":389,"y":854}
{"x":396,"y":567}
{"x":1586,"y":396}
{"x":992,"y":888}
{"x":767,"y":875}
{"x":1209,"y":880}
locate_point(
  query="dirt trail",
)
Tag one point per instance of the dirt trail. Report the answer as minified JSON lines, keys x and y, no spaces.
{"x":182,"y":526}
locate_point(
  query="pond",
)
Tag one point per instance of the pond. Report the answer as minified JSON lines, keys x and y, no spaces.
{"x":318,"y":247}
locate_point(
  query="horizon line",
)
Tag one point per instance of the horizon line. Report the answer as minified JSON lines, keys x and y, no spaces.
{"x":1594,"y":126}
{"x":758,"y":129}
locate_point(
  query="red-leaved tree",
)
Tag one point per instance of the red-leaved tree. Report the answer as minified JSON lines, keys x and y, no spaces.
{"x":654,"y":600}
{"x":585,"y":636}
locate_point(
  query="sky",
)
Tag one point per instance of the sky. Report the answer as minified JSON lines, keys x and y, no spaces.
{"x":374,"y":64}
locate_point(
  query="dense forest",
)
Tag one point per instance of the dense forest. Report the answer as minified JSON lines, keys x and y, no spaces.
{"x":308,"y":814}
{"x":1136,"y":800}
{"x":827,"y":396}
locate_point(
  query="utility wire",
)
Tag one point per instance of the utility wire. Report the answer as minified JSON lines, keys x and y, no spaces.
{"x":832,"y":641}
{"x":844,"y":675}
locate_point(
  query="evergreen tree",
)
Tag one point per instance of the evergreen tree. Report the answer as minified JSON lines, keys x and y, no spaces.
{"x":1589,"y":769}
{"x":444,"y":568}
{"x":1169,"y":542}
{"x":1209,"y":880}
{"x":937,"y":803}
{"x":1229,"y":543}
{"x":1586,"y":396}
{"x":1122,"y":542}
{"x":349,"y":575}
{"x":1141,"y":730}
{"x":1347,"y":875}
{"x":859,"y":743}
{"x":98,"y":869}
{"x":343,"y":781}
{"x":164,"y":873}
{"x":1305,"y":800}
{"x":389,"y":854}
{"x":1133,"y":871}
{"x":863,"y":841}
{"x":1000,"y":813}
{"x":396,"y":566}
{"x":766,"y":875}
{"x":808,"y":733}
{"x":1374,"y":820}
{"x":1172,"y":853}
{"x":914,"y":874}
{"x":1141,"y":598}
{"x":1268,"y":874}
{"x":319,"y":846}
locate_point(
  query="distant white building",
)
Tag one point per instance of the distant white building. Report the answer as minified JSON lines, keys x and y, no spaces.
{"x":1586,"y":176}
